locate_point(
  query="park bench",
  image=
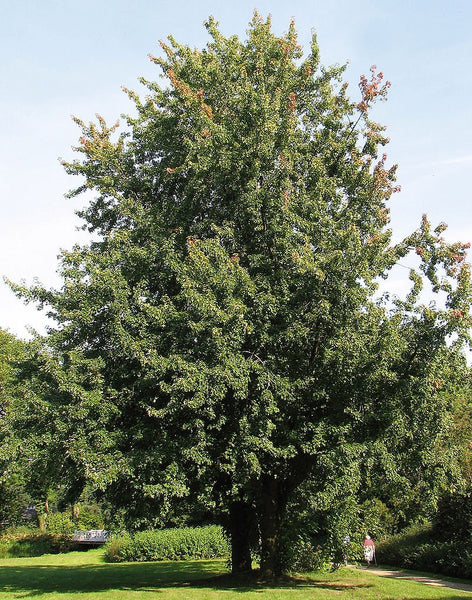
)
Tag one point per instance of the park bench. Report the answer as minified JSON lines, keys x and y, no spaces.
{"x":90,"y":536}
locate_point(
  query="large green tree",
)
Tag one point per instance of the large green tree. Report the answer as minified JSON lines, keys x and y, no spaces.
{"x":220,"y":339}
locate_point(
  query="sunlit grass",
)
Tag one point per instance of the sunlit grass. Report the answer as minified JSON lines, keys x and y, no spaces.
{"x":84,"y":575}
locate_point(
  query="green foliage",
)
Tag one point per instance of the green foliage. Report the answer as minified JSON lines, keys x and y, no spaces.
{"x":462,"y":424}
{"x":314,"y":531}
{"x":11,"y":351}
{"x":88,"y":515}
{"x":13,"y":499}
{"x":303,"y":556}
{"x":377,"y":519}
{"x":220,"y":341}
{"x":60,"y":523}
{"x":420,"y":547}
{"x":169,"y":544}
{"x":79,"y":516}
{"x":397,"y":549}
{"x":325,"y":521}
{"x":453,"y":519}
{"x":23,"y":543}
{"x":14,"y":495}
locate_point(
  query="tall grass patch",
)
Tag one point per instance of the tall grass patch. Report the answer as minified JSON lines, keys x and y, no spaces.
{"x":29,"y":543}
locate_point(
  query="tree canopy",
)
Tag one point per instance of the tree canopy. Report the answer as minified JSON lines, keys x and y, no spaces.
{"x":222,"y":337}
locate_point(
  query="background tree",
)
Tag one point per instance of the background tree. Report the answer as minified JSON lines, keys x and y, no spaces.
{"x":461,"y":397}
{"x":14,"y":496}
{"x":11,"y":351}
{"x":221,"y":339}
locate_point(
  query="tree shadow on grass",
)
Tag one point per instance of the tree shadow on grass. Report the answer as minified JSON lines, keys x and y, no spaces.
{"x":34,"y":580}
{"x":253,"y":582}
{"x":30,"y":580}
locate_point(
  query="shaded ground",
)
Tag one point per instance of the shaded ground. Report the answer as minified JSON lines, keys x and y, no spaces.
{"x":86,"y":576}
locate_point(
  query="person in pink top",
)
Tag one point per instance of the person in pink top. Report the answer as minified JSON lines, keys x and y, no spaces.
{"x":369,"y":550}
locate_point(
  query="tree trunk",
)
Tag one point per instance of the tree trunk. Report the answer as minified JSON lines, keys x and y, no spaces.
{"x":272,"y":505}
{"x":241,"y":526}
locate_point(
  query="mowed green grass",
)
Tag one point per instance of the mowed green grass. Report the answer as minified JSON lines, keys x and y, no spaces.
{"x":85,"y":576}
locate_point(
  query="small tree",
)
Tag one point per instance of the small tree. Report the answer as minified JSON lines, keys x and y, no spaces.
{"x":221,"y":338}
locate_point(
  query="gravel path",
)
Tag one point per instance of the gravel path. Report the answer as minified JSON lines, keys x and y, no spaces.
{"x":465,"y":587}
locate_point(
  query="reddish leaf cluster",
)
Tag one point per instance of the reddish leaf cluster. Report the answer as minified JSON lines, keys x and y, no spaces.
{"x":292,"y":101}
{"x":186,"y":92}
{"x":383,"y":178}
{"x":371,"y":90}
{"x":286,"y":197}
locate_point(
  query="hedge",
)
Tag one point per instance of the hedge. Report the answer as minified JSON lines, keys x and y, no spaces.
{"x":420,"y":548}
{"x":169,"y":544}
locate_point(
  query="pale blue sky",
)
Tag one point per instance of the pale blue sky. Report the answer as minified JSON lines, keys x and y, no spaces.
{"x":63,"y":57}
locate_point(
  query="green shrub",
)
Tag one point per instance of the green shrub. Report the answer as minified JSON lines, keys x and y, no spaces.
{"x":419,"y":548}
{"x":169,"y":544}
{"x":17,"y":530}
{"x":27,"y":544}
{"x":59,"y":522}
{"x":377,"y":519}
{"x":398,"y":549}
{"x":89,"y":517}
{"x":118,"y":548}
{"x":304,"y":556}
{"x":453,"y":519}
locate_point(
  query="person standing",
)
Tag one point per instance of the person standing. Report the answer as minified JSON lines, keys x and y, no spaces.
{"x":346,"y":542}
{"x":369,"y":550}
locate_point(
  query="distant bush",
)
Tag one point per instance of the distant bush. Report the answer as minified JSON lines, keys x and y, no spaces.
{"x":22,"y":544}
{"x":453,"y":519}
{"x":377,"y":519}
{"x":169,"y":544}
{"x":59,"y":522}
{"x":420,"y":548}
{"x":81,"y":516}
{"x":398,"y":549}
{"x":89,"y":517}
{"x":303,"y":556}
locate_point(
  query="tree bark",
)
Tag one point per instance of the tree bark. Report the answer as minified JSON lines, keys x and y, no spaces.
{"x":241,"y":527}
{"x":272,"y":506}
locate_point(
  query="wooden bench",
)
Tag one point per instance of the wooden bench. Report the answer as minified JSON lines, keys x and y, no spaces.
{"x":92,"y":537}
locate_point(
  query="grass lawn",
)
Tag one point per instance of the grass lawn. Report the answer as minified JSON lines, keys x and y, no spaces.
{"x":85,"y":576}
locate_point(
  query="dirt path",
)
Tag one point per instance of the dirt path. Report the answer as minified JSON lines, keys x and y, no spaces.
{"x":465,"y":587}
